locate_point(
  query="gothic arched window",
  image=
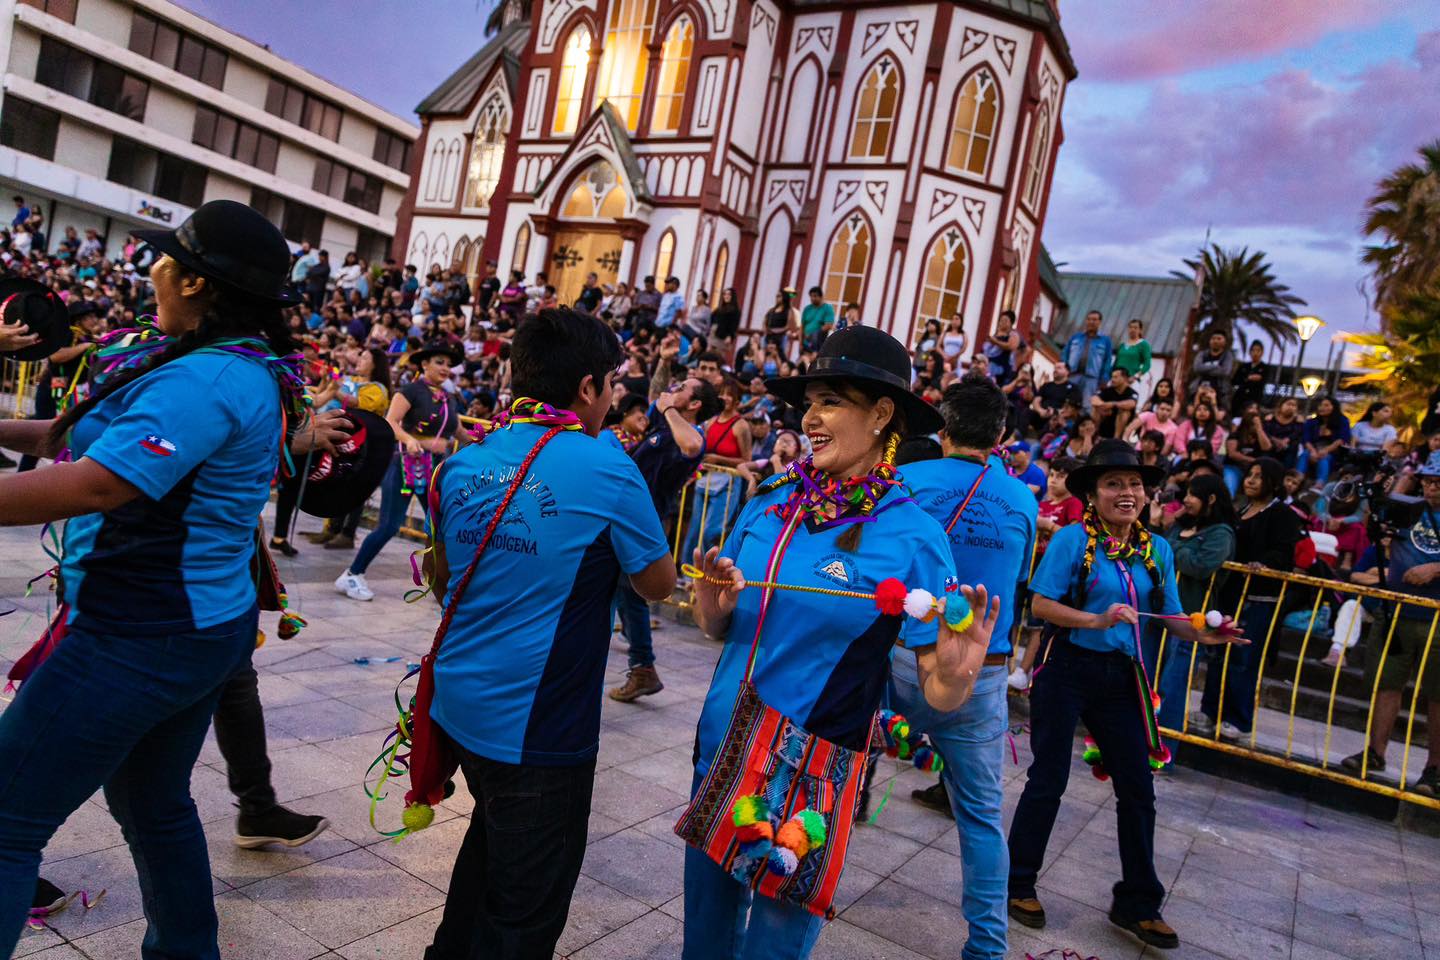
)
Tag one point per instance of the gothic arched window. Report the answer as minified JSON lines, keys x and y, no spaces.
{"x":972,"y":128}
{"x":574,"y":71}
{"x":486,"y":152}
{"x":848,"y":262}
{"x":876,"y":106}
{"x":664,"y":257}
{"x":1039,"y":156}
{"x":943,"y":293}
{"x":626,"y":58}
{"x":674,"y":76}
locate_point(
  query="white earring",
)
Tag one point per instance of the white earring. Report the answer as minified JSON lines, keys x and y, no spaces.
{"x":877,"y":431}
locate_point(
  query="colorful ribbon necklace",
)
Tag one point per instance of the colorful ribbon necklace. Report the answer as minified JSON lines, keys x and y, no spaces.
{"x":526,"y":410}
{"x":856,"y":500}
{"x":1113,"y":547}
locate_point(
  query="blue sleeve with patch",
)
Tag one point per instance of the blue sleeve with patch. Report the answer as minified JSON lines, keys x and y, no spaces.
{"x":932,"y":568}
{"x":635,"y":534}
{"x":176,"y":419}
{"x":1056,"y":573}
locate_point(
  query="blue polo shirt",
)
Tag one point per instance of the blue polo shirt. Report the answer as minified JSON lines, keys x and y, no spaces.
{"x":823,"y":661}
{"x":200,"y":438}
{"x":993,"y":540}
{"x":519,"y":674}
{"x":1059,"y":572}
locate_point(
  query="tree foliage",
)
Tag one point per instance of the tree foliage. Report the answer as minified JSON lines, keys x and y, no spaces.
{"x":1404,"y":214}
{"x":1240,"y":288}
{"x":1403,"y":361}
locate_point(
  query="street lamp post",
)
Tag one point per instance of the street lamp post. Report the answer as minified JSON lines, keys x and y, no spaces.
{"x":1306,"y":326}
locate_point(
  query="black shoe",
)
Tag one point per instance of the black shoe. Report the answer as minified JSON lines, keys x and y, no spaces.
{"x":1376,"y":763}
{"x":1429,"y":783}
{"x":933,"y":797}
{"x":277,"y":825}
{"x":1027,"y":912}
{"x":1157,"y":933}
{"x":6,"y":463}
{"x":48,"y":898}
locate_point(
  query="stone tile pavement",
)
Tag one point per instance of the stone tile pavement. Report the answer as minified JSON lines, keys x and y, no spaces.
{"x":1252,"y":875}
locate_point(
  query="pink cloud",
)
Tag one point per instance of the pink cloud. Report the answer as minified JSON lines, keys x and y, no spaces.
{"x":1133,"y":39}
{"x":1285,"y":165}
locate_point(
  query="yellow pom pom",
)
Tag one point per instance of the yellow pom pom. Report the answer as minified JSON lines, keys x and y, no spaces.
{"x":418,"y":816}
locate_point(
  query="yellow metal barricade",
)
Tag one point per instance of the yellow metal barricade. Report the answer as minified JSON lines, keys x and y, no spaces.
{"x":17,"y":387}
{"x":1281,"y":735}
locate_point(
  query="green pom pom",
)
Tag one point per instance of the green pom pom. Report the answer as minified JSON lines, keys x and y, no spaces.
{"x":418,"y":816}
{"x":1091,"y":755}
{"x":751,"y":809}
{"x":814,"y":825}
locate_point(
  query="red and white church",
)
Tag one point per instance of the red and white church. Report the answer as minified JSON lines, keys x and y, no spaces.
{"x":899,"y":155}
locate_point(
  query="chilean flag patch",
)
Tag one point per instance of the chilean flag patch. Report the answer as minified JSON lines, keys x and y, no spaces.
{"x":158,"y":445}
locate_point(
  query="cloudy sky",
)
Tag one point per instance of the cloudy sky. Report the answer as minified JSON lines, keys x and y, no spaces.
{"x":1265,"y":122}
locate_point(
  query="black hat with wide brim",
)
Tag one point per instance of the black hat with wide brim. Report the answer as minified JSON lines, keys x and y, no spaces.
{"x":41,"y":310}
{"x":235,"y":246}
{"x":418,"y":357}
{"x":1110,"y":456}
{"x":338,"y":483}
{"x":869,"y":356}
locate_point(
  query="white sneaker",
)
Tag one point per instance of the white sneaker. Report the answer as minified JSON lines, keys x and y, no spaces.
{"x":1335,"y":658}
{"x":1200,"y":725}
{"x":353,"y":585}
{"x":1019,"y":680}
{"x":1230,"y":732}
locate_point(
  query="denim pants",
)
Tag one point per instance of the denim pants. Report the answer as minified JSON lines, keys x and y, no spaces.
{"x":1322,"y":466}
{"x":1243,"y":671}
{"x":719,"y":510}
{"x":635,"y":618}
{"x":725,"y":920}
{"x":127,"y":713}
{"x":1079,"y":684}
{"x":972,"y":742}
{"x":393,"y":505}
{"x":517,"y":867}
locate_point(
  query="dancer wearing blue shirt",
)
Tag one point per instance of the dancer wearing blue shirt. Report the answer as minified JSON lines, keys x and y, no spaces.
{"x":989,"y":518}
{"x":519,"y":673}
{"x":1095,"y":581}
{"x":822,"y":661}
{"x":173,"y":459}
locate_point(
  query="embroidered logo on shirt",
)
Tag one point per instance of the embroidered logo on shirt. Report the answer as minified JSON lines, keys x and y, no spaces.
{"x":836,"y":568}
{"x":158,"y":445}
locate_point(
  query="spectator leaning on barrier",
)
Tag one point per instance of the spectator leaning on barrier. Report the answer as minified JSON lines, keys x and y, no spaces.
{"x":1413,"y":567}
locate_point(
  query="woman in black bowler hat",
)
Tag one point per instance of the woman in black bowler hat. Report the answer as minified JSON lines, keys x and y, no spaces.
{"x":172,"y":459}
{"x":1094,"y":587}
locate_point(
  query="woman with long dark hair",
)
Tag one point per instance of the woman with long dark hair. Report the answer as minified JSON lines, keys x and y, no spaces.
{"x":1266,"y":533}
{"x":1324,"y":435}
{"x":368,"y":389}
{"x":1164,"y":390}
{"x":1202,"y":539}
{"x":171,"y":462}
{"x":725,"y":324}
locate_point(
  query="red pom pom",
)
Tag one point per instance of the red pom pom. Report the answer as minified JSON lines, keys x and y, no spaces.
{"x":754,"y":832}
{"x":890,"y":597}
{"x":1305,"y":553}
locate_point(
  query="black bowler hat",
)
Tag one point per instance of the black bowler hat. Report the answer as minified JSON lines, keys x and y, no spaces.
{"x":1109,"y":456}
{"x":233,"y":245}
{"x":868,"y":355}
{"x":435,"y":348}
{"x":41,"y":310}
{"x":339,"y":482}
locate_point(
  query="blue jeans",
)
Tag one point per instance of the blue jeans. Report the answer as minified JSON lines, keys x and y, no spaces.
{"x":724,"y":920}
{"x":128,"y":713}
{"x":719,"y":510}
{"x":1243,"y":672}
{"x":393,"y":505}
{"x":1322,"y":466}
{"x":972,"y":742}
{"x":635,"y":618}
{"x":1099,"y":688}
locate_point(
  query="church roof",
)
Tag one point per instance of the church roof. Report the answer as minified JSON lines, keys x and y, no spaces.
{"x":455,"y":94}
{"x":1164,"y":303}
{"x":619,"y":139}
{"x":1050,"y":276}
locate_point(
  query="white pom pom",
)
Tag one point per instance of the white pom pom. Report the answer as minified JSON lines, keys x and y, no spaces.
{"x":1213,"y":619}
{"x":919,"y":603}
{"x":783,"y":861}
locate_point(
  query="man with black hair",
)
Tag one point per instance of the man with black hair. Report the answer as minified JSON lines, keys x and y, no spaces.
{"x":667,"y":458}
{"x":590,"y":294}
{"x":710,"y":366}
{"x":989,"y":518}
{"x":519,"y":675}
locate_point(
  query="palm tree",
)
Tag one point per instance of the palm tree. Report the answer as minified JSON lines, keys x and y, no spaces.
{"x":1404,"y":361}
{"x":1239,"y":287}
{"x":1405,"y":214}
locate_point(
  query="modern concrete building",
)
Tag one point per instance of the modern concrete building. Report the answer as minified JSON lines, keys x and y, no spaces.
{"x":123,"y":113}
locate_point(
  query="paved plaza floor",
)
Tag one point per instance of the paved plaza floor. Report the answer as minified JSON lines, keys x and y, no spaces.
{"x":1251,"y":874}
